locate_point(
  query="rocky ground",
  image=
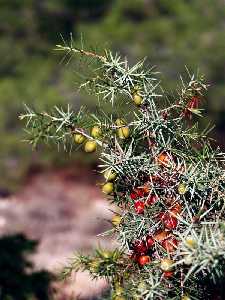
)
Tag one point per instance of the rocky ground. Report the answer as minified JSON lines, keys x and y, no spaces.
{"x":65,"y":211}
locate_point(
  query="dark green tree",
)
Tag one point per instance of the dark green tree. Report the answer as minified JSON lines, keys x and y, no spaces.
{"x":18,"y":280}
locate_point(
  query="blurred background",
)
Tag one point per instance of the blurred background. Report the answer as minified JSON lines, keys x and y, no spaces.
{"x":46,"y":195}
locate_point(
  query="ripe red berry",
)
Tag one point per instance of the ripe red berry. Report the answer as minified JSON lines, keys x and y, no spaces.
{"x":134,"y":195}
{"x":151,"y":199}
{"x":144,"y":260}
{"x":161,"y":235}
{"x":176,"y":208}
{"x":139,"y":207}
{"x":164,"y":159}
{"x":170,"y":244}
{"x":137,"y":193}
{"x":141,"y":192}
{"x":161,"y":216}
{"x":169,"y":221}
{"x":168,"y":274}
{"x":149,"y":241}
{"x":139,"y":247}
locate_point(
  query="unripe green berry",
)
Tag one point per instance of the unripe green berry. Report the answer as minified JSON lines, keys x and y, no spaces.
{"x":96,"y":132}
{"x":138,"y":100}
{"x":182,"y":188}
{"x":107,"y":188}
{"x":116,"y":220}
{"x":191,"y":242}
{"x":124,"y":131}
{"x":79,"y":138}
{"x":110,"y":175}
{"x":90,"y":146}
{"x":185,"y":297}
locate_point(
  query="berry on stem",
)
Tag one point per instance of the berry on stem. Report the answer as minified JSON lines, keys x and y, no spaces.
{"x":116,"y":220}
{"x":139,"y":207}
{"x":170,"y":244}
{"x":169,"y":221}
{"x":185,"y":297}
{"x":110,"y":175}
{"x":96,"y":132}
{"x":138,"y":100}
{"x":151,"y":199}
{"x":138,"y":193}
{"x":161,"y":235}
{"x":79,"y":138}
{"x":191,"y":242}
{"x":144,"y":260}
{"x":150,"y":241}
{"x":182,"y":188}
{"x":123,"y":131}
{"x":168,"y":274}
{"x":139,"y":247}
{"x":176,"y":208}
{"x":90,"y":146}
{"x":163,"y":159}
{"x":108,"y":188}
{"x":134,"y":195}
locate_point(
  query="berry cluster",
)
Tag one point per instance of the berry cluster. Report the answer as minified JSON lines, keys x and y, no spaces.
{"x":160,"y":243}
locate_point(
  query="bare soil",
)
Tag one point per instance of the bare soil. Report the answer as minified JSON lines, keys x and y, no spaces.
{"x":65,"y":211}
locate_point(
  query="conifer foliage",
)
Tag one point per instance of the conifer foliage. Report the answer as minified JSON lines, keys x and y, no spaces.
{"x":159,"y":169}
